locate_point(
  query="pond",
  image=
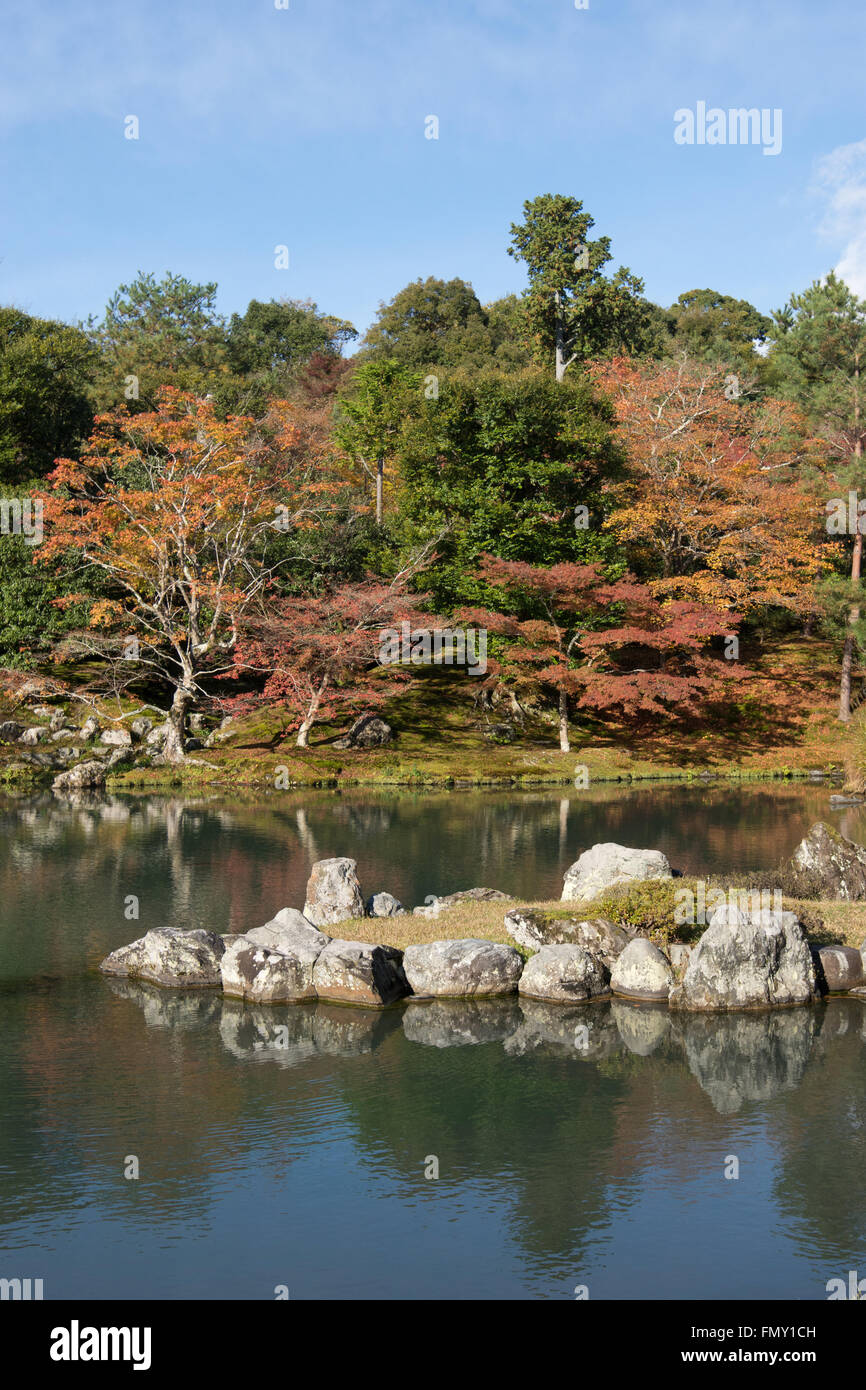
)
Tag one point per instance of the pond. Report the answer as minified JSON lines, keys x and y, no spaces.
{"x":430,"y":1150}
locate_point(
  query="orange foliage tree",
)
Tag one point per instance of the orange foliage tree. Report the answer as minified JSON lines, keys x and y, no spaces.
{"x":176,"y":509}
{"x":717,"y":503}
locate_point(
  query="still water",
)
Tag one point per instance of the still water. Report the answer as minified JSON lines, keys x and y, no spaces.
{"x":291,"y":1146}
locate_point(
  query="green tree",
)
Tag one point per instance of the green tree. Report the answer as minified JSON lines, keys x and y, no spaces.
{"x":271,"y":343}
{"x":159,"y":333}
{"x":372,"y":416}
{"x":46,"y":369}
{"x":717,"y":328}
{"x":818,"y":356}
{"x":509,"y":464}
{"x":431,"y":323}
{"x":574,"y":311}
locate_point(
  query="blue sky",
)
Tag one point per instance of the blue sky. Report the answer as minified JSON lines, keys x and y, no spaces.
{"x":306,"y":127}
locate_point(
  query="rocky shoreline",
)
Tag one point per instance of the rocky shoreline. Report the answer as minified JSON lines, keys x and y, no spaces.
{"x":749,"y":956}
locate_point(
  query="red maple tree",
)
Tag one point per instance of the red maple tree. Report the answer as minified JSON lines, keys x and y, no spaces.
{"x":653,"y":658}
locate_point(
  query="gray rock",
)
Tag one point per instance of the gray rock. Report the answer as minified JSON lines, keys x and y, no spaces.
{"x":116,"y":738}
{"x":10,"y":732}
{"x":358,"y":972}
{"x":141,"y":727}
{"x":839,"y":968}
{"x":64,"y":755}
{"x":89,"y":729}
{"x":838,"y":799}
{"x":384,"y":905}
{"x":566,"y":973}
{"x":605,"y":865}
{"x":837,"y":865}
{"x":84,"y":775}
{"x":460,"y":968}
{"x":368,"y":731}
{"x":31,"y":737}
{"x":287,"y":931}
{"x":250,"y":971}
{"x":169,"y":957}
{"x":466,"y":895}
{"x":744,"y":962}
{"x":333,"y":892}
{"x":642,"y":972}
{"x":121,"y":757}
{"x":157,"y":736}
{"x":531,"y":929}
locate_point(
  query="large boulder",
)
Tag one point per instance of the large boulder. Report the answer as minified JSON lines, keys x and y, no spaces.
{"x":333,"y":892}
{"x":10,"y":732}
{"x":532,"y":929}
{"x":456,"y":969}
{"x":250,"y":971}
{"x":566,"y":973}
{"x":747,"y":961}
{"x":85,"y":775}
{"x":368,"y":731}
{"x":170,"y":957}
{"x":839,"y":968}
{"x":436,"y":906}
{"x":288,"y":931}
{"x":642,"y":972}
{"x":357,"y":972}
{"x":605,"y":865}
{"x":31,"y":737}
{"x":836,"y":866}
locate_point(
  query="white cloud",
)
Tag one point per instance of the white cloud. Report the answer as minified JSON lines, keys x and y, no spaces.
{"x":841,"y":182}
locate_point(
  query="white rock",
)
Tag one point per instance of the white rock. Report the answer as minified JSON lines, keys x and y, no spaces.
{"x":642,"y":972}
{"x":605,"y":865}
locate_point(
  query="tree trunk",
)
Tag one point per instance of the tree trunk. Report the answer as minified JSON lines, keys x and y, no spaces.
{"x":564,"y":745}
{"x":380,"y":473}
{"x":183,"y":701}
{"x":310,"y":716}
{"x":560,"y":348}
{"x":854,"y":614}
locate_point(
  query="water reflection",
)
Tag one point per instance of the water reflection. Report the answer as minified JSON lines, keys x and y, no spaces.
{"x":736,"y":1058}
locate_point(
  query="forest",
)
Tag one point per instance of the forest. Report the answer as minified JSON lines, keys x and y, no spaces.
{"x":650,"y":513}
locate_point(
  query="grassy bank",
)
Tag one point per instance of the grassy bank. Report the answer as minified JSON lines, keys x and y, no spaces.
{"x":780,"y":721}
{"x":827,"y":923}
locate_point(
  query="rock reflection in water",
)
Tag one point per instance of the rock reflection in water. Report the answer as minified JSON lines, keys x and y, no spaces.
{"x":740,"y":1057}
{"x":169,"y":1008}
{"x":291,"y":1035}
{"x":585,"y":1032}
{"x":460,"y":1022}
{"x":642,"y":1027}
